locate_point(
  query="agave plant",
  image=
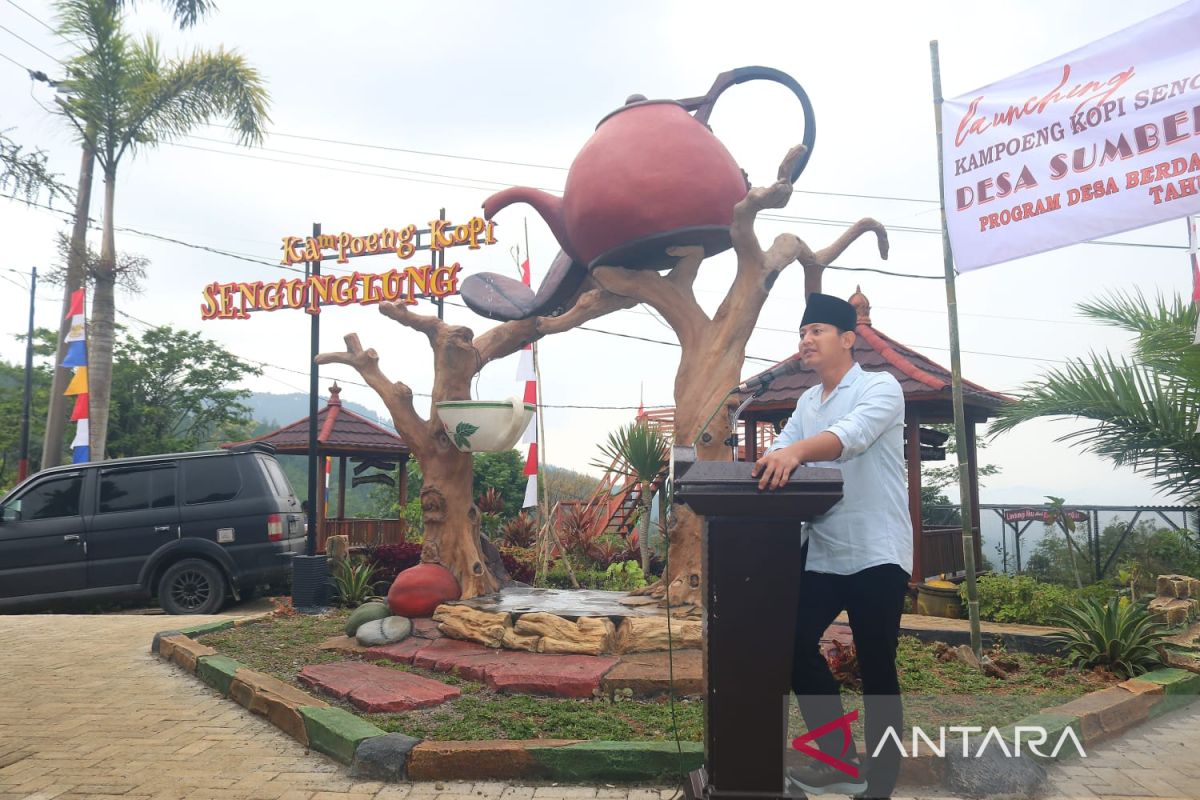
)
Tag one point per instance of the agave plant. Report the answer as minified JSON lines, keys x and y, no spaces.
{"x":354,"y":579}
{"x":643,"y":454}
{"x":1119,"y":636}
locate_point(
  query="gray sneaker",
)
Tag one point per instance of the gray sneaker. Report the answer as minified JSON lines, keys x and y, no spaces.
{"x":818,"y":778}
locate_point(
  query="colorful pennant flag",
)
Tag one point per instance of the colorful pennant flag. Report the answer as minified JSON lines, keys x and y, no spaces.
{"x":76,"y":357}
{"x":526,"y":373}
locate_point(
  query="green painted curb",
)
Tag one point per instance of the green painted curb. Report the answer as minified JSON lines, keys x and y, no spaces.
{"x":1174,"y":681}
{"x":336,"y":732}
{"x":619,"y":761}
{"x":217,"y":671}
{"x":1054,"y":724}
{"x":207,"y":627}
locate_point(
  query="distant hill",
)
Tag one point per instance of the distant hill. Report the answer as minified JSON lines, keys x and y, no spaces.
{"x":282,"y":409}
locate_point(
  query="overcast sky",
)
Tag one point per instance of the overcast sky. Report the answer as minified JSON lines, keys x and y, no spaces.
{"x":474,"y":83}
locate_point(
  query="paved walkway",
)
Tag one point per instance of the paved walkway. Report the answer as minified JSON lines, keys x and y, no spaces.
{"x":87,"y":712}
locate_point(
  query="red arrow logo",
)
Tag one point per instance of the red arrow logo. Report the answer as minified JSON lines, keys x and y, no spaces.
{"x":801,"y":743}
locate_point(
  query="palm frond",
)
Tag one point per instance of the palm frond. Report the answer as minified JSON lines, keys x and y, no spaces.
{"x":1144,"y":410}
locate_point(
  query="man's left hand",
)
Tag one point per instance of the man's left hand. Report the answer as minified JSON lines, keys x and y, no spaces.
{"x":775,"y":468}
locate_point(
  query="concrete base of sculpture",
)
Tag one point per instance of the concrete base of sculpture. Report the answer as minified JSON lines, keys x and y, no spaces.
{"x":583,"y":621}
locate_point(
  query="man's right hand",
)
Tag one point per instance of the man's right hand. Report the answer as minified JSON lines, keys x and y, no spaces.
{"x":775,"y":468}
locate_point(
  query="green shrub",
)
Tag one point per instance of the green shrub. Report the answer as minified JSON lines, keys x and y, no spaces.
{"x":557,"y":578}
{"x":1116,"y":634}
{"x":1025,"y":600}
{"x":624,"y":576}
{"x":355,"y":580}
{"x":1018,"y":599}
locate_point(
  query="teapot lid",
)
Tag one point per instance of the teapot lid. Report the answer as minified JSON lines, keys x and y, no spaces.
{"x":636,"y":101}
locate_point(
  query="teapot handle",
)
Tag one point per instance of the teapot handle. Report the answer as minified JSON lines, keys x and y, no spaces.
{"x":703,"y":105}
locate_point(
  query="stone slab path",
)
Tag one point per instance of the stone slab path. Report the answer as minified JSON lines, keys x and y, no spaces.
{"x":376,"y":690}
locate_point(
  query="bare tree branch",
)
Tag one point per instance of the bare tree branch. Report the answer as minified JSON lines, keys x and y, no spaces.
{"x":396,"y":396}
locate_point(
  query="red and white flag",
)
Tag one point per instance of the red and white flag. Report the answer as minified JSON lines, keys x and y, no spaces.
{"x":526,"y":373}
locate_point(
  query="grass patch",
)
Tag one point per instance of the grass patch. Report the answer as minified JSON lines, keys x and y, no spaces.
{"x":936,"y":691}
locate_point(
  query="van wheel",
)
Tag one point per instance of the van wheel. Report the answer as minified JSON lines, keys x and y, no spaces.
{"x":191,"y":586}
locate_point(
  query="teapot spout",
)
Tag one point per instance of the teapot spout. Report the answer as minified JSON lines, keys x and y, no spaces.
{"x":547,"y":205}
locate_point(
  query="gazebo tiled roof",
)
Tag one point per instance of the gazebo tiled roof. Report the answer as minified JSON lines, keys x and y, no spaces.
{"x":340,"y":432}
{"x":924,"y":381}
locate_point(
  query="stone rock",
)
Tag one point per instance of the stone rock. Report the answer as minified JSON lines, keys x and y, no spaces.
{"x":521,"y":641}
{"x":586,"y":636}
{"x":376,"y":690}
{"x":1171,"y":611}
{"x":366,"y":613}
{"x":383,"y":758}
{"x":419,"y":590}
{"x":472,"y":625}
{"x":426,"y":628}
{"x":643,"y":634}
{"x":337,"y":547}
{"x":992,"y":773}
{"x":379,"y":632}
{"x":183,"y":650}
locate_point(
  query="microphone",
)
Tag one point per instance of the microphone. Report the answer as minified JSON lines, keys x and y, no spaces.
{"x":789,"y":367}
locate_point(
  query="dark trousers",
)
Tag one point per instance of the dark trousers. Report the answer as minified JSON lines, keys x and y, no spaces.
{"x":873,"y":600}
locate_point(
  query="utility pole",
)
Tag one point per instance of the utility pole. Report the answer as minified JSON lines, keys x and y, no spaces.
{"x":23,"y":462}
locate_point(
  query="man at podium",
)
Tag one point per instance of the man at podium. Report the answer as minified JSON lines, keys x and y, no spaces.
{"x":858,"y":556}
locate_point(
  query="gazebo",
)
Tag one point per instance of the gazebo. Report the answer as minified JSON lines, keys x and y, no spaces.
{"x":937,"y":549}
{"x":344,"y":435}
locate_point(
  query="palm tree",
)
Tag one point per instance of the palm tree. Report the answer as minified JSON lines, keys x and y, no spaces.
{"x":642,"y":453}
{"x":124,"y":95}
{"x":1144,"y":409}
{"x":187,"y":13}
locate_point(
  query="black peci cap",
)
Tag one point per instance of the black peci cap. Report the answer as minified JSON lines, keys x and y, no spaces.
{"x":830,"y":310}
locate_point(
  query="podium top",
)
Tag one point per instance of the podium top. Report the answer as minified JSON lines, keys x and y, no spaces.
{"x":726,"y":488}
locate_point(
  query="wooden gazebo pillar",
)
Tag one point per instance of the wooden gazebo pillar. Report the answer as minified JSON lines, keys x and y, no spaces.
{"x":912,"y":456}
{"x":341,"y":487}
{"x":402,"y":480}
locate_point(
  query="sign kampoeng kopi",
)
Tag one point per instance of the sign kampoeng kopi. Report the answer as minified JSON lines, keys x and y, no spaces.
{"x":1102,"y":140}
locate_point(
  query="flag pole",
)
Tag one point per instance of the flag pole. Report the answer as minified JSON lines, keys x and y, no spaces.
{"x":540,"y":432}
{"x":960,"y":420}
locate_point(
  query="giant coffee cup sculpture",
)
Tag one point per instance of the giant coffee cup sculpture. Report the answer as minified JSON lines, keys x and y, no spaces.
{"x":652,"y":177}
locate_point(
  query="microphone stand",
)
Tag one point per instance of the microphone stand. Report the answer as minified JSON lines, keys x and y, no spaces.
{"x":732,"y":441}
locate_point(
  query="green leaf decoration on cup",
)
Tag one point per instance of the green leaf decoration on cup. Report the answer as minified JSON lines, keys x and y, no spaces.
{"x":462,"y":434}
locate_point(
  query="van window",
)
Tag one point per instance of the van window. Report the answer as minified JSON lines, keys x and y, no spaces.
{"x":283,"y":487}
{"x":134,"y":489}
{"x":210,"y":480}
{"x":55,"y":497}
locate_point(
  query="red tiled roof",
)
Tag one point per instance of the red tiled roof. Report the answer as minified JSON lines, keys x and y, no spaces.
{"x":339,"y":432}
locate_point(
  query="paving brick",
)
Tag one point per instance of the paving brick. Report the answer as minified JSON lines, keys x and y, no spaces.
{"x":377,"y":690}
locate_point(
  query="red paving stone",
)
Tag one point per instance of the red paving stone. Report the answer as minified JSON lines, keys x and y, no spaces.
{"x":438,"y":654}
{"x":401,"y":652}
{"x":376,"y":689}
{"x":561,"y":676}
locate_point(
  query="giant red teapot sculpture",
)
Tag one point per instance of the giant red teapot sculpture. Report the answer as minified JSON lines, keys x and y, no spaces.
{"x":652,"y":177}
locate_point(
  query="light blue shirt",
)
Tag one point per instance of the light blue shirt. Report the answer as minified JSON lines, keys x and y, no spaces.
{"x":870,"y":525}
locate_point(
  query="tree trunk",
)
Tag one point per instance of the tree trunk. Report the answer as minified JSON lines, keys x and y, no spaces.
{"x":56,"y":414}
{"x":102,"y":331}
{"x":452,"y":520}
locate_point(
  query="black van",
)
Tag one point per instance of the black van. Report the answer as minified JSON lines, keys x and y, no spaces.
{"x":189,"y":527}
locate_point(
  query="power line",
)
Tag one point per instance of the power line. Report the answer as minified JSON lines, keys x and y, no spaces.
{"x":335,"y":169}
{"x":31,"y":44}
{"x":558,"y":168}
{"x":14,"y":61}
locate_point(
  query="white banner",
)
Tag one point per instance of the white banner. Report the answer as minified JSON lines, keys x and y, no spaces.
{"x":1099,"y":141}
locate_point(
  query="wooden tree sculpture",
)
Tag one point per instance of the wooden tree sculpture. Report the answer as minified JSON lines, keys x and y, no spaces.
{"x":451,"y":519}
{"x":714,"y":350}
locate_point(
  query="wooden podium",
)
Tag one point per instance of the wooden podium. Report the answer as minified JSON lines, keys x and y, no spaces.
{"x":751,"y":573}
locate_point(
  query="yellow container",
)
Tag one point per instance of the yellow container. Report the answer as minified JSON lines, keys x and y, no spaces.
{"x":939,"y":598}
